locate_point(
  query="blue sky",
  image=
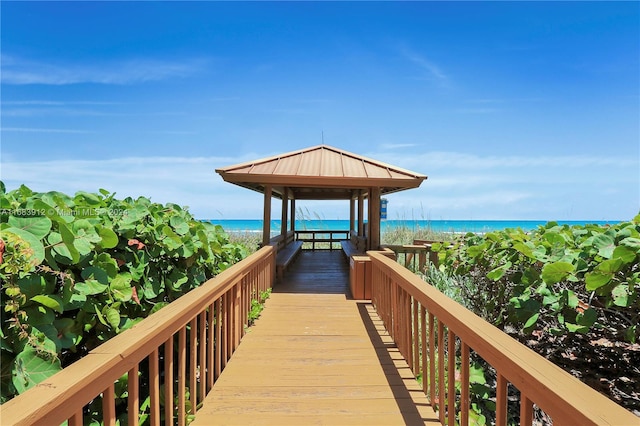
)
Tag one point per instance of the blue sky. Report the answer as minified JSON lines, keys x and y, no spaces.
{"x":514,"y":110}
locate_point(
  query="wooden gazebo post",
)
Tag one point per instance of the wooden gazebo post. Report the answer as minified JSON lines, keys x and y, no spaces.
{"x":373,"y":241}
{"x":285,"y":207}
{"x":293,"y":214}
{"x":266,"y":225}
{"x":352,"y":212}
{"x":360,"y":213}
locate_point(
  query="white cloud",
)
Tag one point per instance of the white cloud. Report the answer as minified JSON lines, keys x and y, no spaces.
{"x":460,"y":186}
{"x":430,"y":69}
{"x":40,"y":130}
{"x":397,"y":145}
{"x":17,"y":71}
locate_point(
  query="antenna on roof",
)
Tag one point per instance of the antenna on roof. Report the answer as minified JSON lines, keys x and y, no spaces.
{"x":323,"y":137}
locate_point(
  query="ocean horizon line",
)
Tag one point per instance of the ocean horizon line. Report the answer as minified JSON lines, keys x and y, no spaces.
{"x":442,"y":225}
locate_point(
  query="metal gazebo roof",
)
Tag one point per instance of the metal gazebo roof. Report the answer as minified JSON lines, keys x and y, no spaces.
{"x":320,"y":173}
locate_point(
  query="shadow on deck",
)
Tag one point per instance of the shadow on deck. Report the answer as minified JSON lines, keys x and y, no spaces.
{"x":316,"y":357}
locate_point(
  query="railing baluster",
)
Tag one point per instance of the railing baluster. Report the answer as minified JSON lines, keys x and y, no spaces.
{"x":203,"y":355}
{"x":393,"y":331}
{"x":133,"y":396}
{"x":182,"y":367}
{"x":464,"y":385}
{"x":501,"y":400}
{"x":238,"y":321}
{"x":405,"y":323}
{"x":425,"y":360}
{"x":441,"y":377}
{"x":154,"y":388}
{"x":210,"y":346}
{"x":526,"y":410}
{"x":193,"y":389}
{"x":218,"y":337}
{"x":168,"y":381}
{"x":416,"y":338}
{"x":76,"y":419}
{"x":432,"y":361}
{"x":109,"y":406}
{"x":226,"y":318}
{"x":451,"y":379}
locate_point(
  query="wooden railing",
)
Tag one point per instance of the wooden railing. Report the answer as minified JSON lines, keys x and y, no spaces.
{"x":184,"y":347}
{"x":437,"y":336}
{"x":414,"y":256}
{"x":326,"y":239}
{"x":411,"y":256}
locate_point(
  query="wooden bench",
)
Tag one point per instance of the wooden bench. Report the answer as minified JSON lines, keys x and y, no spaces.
{"x":355,"y":245}
{"x":349,"y":248}
{"x":285,"y":256}
{"x":287,"y":250}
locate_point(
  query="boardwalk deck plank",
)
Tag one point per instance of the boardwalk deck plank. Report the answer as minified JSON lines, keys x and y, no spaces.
{"x":316,"y":357}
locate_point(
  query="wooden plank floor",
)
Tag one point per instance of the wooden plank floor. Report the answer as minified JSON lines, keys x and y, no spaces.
{"x":316,"y":357}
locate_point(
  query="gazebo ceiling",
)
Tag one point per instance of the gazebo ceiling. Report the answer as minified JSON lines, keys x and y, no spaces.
{"x":320,"y":173}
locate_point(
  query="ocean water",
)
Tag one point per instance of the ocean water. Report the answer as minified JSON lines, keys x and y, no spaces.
{"x":457,"y":226}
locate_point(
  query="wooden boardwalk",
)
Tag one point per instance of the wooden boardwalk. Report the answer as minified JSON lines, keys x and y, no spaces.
{"x":316,"y":357}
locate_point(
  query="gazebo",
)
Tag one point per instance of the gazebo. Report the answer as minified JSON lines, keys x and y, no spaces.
{"x":323,"y":172}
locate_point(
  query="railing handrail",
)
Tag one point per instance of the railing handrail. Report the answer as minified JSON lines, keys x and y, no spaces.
{"x":563,"y":397}
{"x":61,"y":396}
{"x":335,"y":236}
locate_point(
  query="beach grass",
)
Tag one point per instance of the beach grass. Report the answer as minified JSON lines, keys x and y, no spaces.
{"x":407,"y":235}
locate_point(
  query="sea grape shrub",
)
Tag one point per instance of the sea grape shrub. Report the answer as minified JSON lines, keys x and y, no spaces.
{"x":557,"y":278}
{"x":78,"y":270}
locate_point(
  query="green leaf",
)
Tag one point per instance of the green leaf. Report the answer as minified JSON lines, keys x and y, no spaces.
{"x":90,"y":287}
{"x":107,"y":263}
{"x":83,"y":245}
{"x":35,"y":244}
{"x":596,"y":279}
{"x":179,"y":225}
{"x":555,"y":272}
{"x":37,"y":226}
{"x":574,"y":328}
{"x":88,"y":198}
{"x":475,"y":251}
{"x":531,"y":321}
{"x":100,"y":316}
{"x":620,"y":294}
{"x":96,"y":273}
{"x":572,"y":299}
{"x":172,"y":239}
{"x":499,"y":272}
{"x":625,"y":254}
{"x":605,"y":245}
{"x":67,"y":250}
{"x":38,"y":314}
{"x":554,"y":238}
{"x":30,"y":369}
{"x":587,"y":318}
{"x":524,"y":249}
{"x":634,"y":243}
{"x":51,"y":301}
{"x":602,"y":274}
{"x":31,"y":285}
{"x":113,"y":317}
{"x":121,"y":287}
{"x":476,"y":374}
{"x":109,"y":239}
